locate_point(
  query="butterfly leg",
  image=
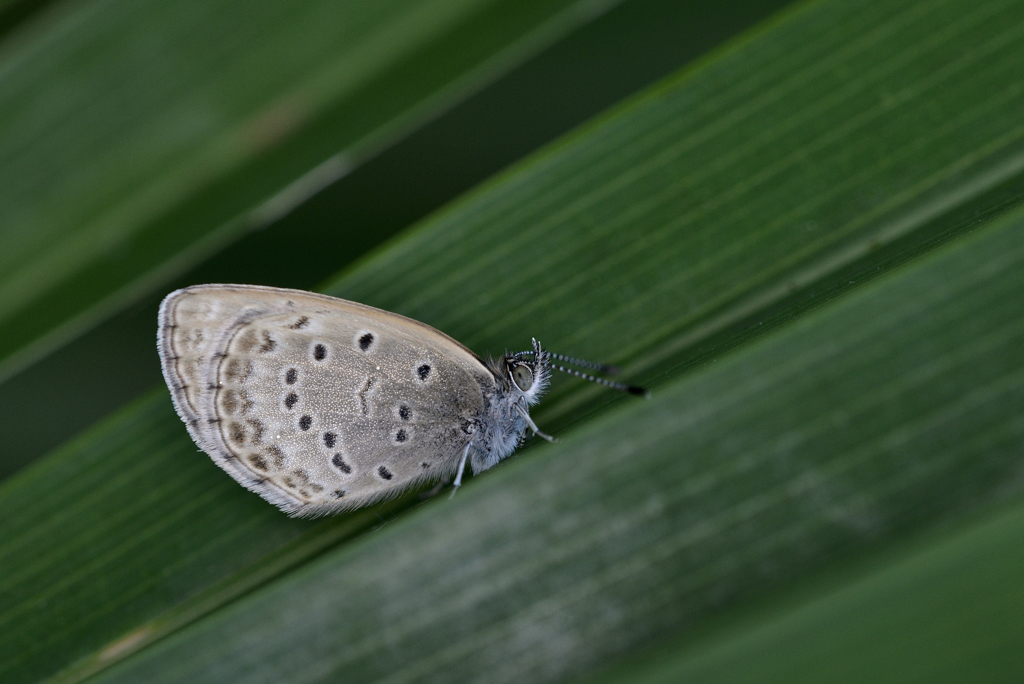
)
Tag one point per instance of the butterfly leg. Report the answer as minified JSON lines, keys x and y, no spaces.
{"x":458,"y":475}
{"x":533,"y":426}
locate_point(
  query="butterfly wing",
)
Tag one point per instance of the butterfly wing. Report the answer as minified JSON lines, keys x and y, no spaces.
{"x":316,"y":403}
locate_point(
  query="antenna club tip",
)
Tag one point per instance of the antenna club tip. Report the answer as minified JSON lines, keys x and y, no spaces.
{"x":639,"y":391}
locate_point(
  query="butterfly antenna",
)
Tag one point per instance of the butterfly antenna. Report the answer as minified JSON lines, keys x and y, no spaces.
{"x":622,"y":387}
{"x":599,"y":367}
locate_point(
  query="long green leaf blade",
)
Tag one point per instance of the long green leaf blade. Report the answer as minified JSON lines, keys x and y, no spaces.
{"x":816,"y":443}
{"x":948,"y":612}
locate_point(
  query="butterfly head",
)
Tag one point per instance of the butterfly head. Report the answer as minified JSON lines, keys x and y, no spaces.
{"x":525,"y":374}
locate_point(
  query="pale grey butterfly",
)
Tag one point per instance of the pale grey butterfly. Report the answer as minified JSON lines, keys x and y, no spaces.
{"x":321,"y":405}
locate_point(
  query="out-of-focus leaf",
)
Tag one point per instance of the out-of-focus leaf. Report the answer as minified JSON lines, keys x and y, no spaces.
{"x":140,"y":137}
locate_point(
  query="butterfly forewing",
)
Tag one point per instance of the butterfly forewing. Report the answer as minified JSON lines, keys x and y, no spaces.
{"x":316,"y":403}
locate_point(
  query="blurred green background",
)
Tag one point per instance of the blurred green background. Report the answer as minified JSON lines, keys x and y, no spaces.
{"x":800,"y":225}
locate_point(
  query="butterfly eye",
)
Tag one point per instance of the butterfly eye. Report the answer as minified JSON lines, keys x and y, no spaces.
{"x":523,"y":377}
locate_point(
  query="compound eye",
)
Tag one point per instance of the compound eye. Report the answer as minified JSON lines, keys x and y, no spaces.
{"x":523,"y":377}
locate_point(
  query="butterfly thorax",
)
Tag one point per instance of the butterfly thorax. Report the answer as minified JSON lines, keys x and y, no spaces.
{"x":518,"y":384}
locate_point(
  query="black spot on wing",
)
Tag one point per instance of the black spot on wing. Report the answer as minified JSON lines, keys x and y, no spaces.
{"x":340,"y":464}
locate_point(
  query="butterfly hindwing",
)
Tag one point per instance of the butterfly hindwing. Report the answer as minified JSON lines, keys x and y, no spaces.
{"x":316,"y":403}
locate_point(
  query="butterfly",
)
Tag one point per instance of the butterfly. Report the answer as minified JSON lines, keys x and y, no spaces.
{"x":321,"y":405}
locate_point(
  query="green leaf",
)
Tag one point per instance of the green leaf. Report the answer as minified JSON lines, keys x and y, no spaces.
{"x":141,"y":138}
{"x":715,"y":237}
{"x":816,"y":443}
{"x":950,"y":611}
